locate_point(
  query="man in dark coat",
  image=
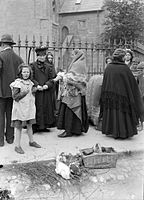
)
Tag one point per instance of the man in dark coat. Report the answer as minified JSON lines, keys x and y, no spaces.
{"x":9,"y":62}
{"x":42,"y":77}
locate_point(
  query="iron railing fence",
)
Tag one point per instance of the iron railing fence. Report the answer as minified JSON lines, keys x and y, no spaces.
{"x":95,"y":52}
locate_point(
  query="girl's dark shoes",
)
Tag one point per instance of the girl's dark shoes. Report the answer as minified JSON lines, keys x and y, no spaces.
{"x":34,"y":144}
{"x":19,"y":150}
{"x":65,"y":134}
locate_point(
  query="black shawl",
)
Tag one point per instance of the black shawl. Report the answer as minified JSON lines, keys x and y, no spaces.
{"x":120,"y":90}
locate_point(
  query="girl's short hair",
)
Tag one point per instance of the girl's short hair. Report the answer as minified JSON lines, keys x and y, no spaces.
{"x":20,"y":67}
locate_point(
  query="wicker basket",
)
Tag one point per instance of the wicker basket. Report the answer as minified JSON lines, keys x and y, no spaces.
{"x":99,"y":160}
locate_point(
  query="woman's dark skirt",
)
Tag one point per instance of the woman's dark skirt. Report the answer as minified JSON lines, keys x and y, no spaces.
{"x":68,"y":120}
{"x":118,"y":124}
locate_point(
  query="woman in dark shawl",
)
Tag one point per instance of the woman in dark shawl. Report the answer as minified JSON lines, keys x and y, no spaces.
{"x":72,"y":115}
{"x":120,"y":102}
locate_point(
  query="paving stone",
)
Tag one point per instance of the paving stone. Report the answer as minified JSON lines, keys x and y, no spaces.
{"x":141,"y":172}
{"x":113,"y":177}
{"x":2,"y":179}
{"x":14,"y":177}
{"x":93,"y":179}
{"x":124,"y":170}
{"x":102,"y":179}
{"x":108,"y":178}
{"x":129,"y":169}
{"x":126,"y":175}
{"x":8,"y":178}
{"x":120,"y":177}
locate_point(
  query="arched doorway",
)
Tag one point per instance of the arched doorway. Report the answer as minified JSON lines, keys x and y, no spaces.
{"x":65,"y":32}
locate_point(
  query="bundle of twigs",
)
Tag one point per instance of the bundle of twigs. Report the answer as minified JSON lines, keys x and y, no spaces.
{"x":39,"y":173}
{"x":5,"y":194}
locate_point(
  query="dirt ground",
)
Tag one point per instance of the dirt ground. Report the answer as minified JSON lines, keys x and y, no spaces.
{"x":38,"y":180}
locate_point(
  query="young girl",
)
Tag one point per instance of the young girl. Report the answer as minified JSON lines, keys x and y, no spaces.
{"x":23,"y":112}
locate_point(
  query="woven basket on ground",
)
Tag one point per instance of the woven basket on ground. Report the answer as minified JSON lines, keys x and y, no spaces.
{"x":100,"y":160}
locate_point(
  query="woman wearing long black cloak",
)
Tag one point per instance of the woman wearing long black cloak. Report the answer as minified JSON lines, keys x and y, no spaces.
{"x":72,"y":115}
{"x":120,"y":103}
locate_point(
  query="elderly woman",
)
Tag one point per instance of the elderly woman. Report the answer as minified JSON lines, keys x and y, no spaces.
{"x":72,"y":115}
{"x":120,"y":102}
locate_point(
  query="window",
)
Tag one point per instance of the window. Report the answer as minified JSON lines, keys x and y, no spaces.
{"x":82,"y":24}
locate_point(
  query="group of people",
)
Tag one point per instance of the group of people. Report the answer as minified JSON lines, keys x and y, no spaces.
{"x":28,"y":96}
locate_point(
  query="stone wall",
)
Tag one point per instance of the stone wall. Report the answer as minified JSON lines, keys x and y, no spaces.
{"x":27,"y":17}
{"x":85,"y":26}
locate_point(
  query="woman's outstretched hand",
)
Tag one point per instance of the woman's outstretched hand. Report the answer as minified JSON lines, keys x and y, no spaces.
{"x":40,"y":88}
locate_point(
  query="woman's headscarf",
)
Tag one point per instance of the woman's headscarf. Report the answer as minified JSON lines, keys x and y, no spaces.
{"x":78,"y":64}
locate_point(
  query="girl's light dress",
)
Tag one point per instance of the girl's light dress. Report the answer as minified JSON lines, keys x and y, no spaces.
{"x":24,"y":110}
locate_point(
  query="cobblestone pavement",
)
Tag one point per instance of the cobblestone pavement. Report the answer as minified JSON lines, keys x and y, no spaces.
{"x":125,"y":182}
